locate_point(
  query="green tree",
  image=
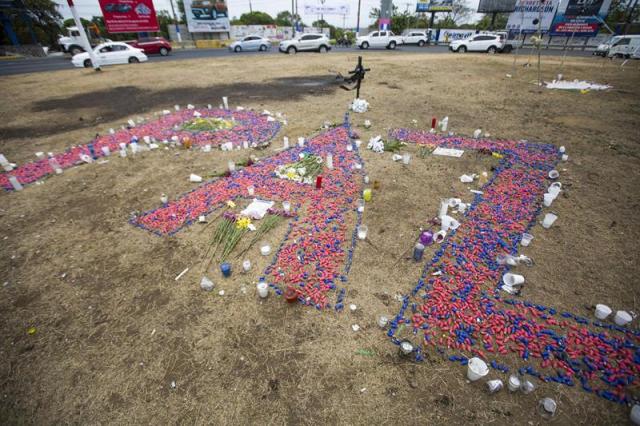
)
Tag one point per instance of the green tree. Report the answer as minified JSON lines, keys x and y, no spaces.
{"x":485,"y":22}
{"x":40,"y":16}
{"x":256,"y":18}
{"x":321,"y":23}
{"x":283,"y":19}
{"x":181,"y":12}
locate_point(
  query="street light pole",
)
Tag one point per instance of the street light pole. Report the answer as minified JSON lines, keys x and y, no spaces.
{"x":83,"y":36}
{"x":175,"y":20}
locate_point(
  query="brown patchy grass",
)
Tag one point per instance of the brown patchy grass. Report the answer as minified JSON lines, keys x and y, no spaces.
{"x":96,"y":357}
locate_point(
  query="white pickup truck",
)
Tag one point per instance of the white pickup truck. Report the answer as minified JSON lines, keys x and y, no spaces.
{"x":385,"y":39}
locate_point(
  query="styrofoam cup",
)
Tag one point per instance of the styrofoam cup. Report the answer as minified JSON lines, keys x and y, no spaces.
{"x":554,"y":190}
{"x":548,"y":199}
{"x":439,"y":236}
{"x":565,"y":157}
{"x":548,"y":220}
{"x":602,"y":311}
{"x":514,"y":383}
{"x":449,"y":222}
{"x":195,"y":178}
{"x":635,"y":414}
{"x":476,"y":369}
{"x":263,"y":289}
{"x":622,"y":318}
{"x":554,"y":174}
{"x":512,"y":279}
{"x":526,"y":239}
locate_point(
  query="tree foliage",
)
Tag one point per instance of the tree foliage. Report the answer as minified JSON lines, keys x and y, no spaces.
{"x":44,"y":18}
{"x":255,"y":18}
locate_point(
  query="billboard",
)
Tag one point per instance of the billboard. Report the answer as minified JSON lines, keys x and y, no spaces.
{"x":496,"y":6}
{"x":527,"y":12}
{"x":579,"y":17}
{"x":207,"y":16}
{"x":341,"y":9}
{"x":435,"y":6}
{"x":129,"y":16}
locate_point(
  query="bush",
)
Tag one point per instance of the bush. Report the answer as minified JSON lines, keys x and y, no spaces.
{"x":332,"y":42}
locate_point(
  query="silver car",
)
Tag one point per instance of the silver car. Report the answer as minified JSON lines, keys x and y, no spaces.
{"x":249,"y":43}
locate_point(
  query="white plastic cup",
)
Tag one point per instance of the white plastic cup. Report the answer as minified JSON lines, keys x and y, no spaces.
{"x":439,"y":236}
{"x":554,"y":174}
{"x":263,"y":289}
{"x":526,"y":239}
{"x":286,"y":206}
{"x":512,"y":280}
{"x":406,"y":158}
{"x":361,"y":204}
{"x":449,"y":222}
{"x":548,"y":220}
{"x":246,"y":265}
{"x":602,"y":311}
{"x":514,"y":383}
{"x":225,"y":102}
{"x":349,"y":147}
{"x":14,"y":182}
{"x":549,"y":406}
{"x":265,"y":249}
{"x":635,"y":414}
{"x":195,"y":178}
{"x":40,"y":155}
{"x":476,"y":369}
{"x":494,"y":385}
{"x":562,"y":149}
{"x":383,"y":321}
{"x":330,"y":161}
{"x":300,"y":142}
{"x":231,"y":165}
{"x":285,"y":142}
{"x":477,"y":133}
{"x":507,"y":259}
{"x":527,"y":386}
{"x":565,"y":157}
{"x":106,"y":151}
{"x":251,"y":190}
{"x":548,"y":199}
{"x":554,"y":190}
{"x":362,"y":231}
{"x":622,"y":318}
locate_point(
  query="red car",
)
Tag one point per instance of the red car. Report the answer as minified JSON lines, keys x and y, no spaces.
{"x":152,"y":45}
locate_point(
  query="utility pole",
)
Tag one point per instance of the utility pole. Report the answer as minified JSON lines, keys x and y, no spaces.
{"x":322,"y":2}
{"x":250,"y":8}
{"x":83,"y":36}
{"x":358,"y":21}
{"x":293,"y":16}
{"x":175,"y":20}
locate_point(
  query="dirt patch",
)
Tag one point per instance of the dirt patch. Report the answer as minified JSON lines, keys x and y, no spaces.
{"x":115,"y":329}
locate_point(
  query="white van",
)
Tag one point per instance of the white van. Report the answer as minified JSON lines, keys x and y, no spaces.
{"x":603,"y":48}
{"x":628,"y":46}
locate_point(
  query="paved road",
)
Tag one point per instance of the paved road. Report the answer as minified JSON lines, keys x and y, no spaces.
{"x":55,"y":63}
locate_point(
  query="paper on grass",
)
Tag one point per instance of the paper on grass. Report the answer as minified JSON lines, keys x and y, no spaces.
{"x":257,"y":209}
{"x":448,"y":152}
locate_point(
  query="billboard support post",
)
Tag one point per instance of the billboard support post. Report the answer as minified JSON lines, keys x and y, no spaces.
{"x":83,"y":36}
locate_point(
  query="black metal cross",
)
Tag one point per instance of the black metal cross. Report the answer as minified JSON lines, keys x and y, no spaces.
{"x":355,"y":79}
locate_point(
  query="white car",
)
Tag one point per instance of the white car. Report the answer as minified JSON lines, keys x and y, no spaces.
{"x":252,"y":42}
{"x":385,"y":39}
{"x":110,"y":54}
{"x":306,"y":42}
{"x":490,"y":43}
{"x":415,"y":37}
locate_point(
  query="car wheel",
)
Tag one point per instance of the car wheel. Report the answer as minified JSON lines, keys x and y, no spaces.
{"x":492,"y":50}
{"x":364,"y":45}
{"x":87,"y":63}
{"x":323,"y":49}
{"x":392,"y":45}
{"x":74,"y":50}
{"x":421,"y":43}
{"x":462,"y":49}
{"x":133,"y":60}
{"x":263,"y":48}
{"x":292,"y":50}
{"x":237,"y":49}
{"x":164,"y":51}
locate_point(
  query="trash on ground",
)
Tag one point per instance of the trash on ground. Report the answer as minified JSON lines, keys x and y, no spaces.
{"x":576,"y":85}
{"x":448,"y":152}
